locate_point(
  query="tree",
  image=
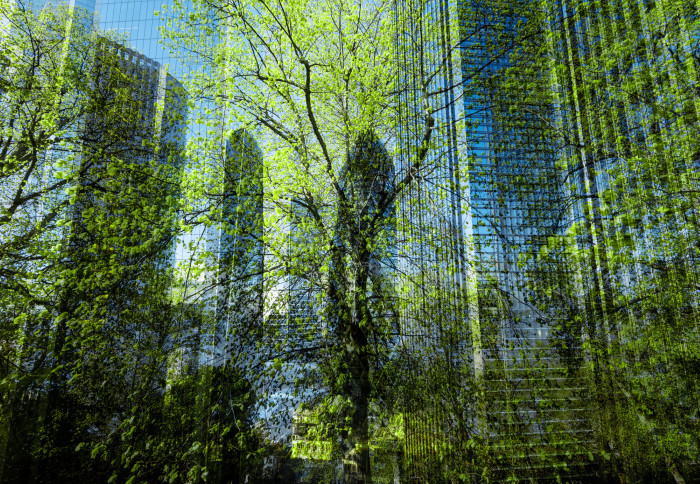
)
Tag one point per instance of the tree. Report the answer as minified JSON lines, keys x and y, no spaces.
{"x":39,"y":109}
{"x":321,"y":86}
{"x":309,"y":81}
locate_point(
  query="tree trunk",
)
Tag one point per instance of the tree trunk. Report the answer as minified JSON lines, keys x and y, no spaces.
{"x":356,"y":459}
{"x":397,"y":461}
{"x":352,"y":303}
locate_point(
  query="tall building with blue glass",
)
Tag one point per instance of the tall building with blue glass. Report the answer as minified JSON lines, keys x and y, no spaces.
{"x":240,"y":291}
{"x":147,"y":135}
{"x":473,"y":222}
{"x":124,"y":146}
{"x":136,"y":24}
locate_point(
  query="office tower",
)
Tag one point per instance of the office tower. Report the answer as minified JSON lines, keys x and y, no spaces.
{"x":633,"y":175}
{"x":489,"y":204}
{"x":367,"y":175}
{"x":108,"y":173}
{"x":123,"y":211}
{"x":117,"y":128}
{"x":132,"y":135}
{"x":577,"y":202}
{"x":437,"y":283}
{"x":239,"y":292}
{"x":153,"y":104}
{"x":136,"y":24}
{"x":365,"y":178}
{"x":300,"y":311}
{"x":537,"y":408}
{"x":437,"y":286}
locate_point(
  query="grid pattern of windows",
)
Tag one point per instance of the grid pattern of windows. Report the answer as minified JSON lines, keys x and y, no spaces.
{"x":633,"y":176}
{"x":488,"y":201}
{"x":136,"y":22}
{"x":515,"y":192}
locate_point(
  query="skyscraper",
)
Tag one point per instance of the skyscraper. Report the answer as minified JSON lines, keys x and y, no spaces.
{"x":136,"y":23}
{"x":489,"y":203}
{"x":367,"y":176}
{"x":153,"y":110}
{"x":240,"y":290}
{"x":113,"y":154}
{"x":632,"y":170}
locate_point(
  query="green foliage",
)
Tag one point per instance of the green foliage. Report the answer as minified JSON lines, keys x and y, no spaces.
{"x":89,"y":152}
{"x":461,"y":244}
{"x":317,"y":94}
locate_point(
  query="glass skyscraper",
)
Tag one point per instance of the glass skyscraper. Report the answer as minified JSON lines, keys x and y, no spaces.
{"x":237,"y":241}
{"x":130,"y":130}
{"x":154,"y":91}
{"x":489,"y":203}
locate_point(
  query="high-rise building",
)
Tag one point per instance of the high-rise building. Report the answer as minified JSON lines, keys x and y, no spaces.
{"x":566,"y":207}
{"x":237,"y":243}
{"x":121,"y":129}
{"x":136,"y":24}
{"x":632,"y":171}
{"x":488,"y":204}
{"x":496,"y":345}
{"x":149,"y":138}
{"x":126,"y":128}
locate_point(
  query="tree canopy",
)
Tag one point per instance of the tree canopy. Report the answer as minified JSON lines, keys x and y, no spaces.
{"x":423,"y":241}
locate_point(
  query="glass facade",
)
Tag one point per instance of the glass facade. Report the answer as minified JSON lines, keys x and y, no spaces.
{"x":491,"y":200}
{"x":143,"y":61}
{"x":240,"y":290}
{"x":88,"y":5}
{"x":136,"y":23}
